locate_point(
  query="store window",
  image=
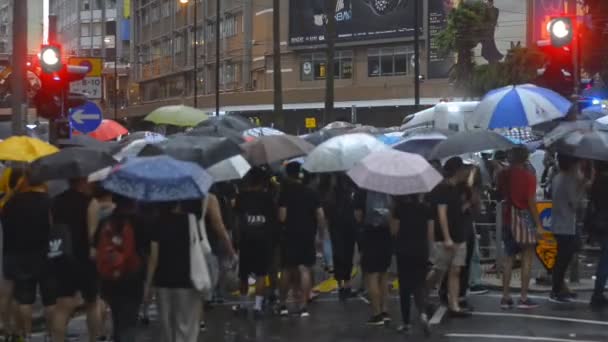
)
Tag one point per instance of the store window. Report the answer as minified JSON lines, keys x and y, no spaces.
{"x":314,"y":66}
{"x":389,"y":61}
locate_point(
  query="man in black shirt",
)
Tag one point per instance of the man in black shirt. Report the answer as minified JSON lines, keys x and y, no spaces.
{"x":71,"y":209}
{"x":256,"y":211}
{"x":450,"y":236}
{"x":301,"y":212}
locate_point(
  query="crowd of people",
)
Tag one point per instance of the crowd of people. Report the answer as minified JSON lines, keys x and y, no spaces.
{"x":90,"y":249}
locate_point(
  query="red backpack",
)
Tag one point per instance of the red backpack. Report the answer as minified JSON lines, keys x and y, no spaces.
{"x":116,"y":251}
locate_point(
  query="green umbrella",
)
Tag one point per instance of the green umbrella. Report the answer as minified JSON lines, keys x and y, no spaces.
{"x":177,"y":115}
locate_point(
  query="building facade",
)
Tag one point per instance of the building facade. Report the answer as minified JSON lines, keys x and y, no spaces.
{"x":34,"y":27}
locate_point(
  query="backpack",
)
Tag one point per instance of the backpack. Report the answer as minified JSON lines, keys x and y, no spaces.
{"x":60,"y":242}
{"x":376,"y":209}
{"x":116,"y":251}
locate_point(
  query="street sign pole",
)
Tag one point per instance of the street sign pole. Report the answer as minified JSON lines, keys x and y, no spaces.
{"x":19,"y":79}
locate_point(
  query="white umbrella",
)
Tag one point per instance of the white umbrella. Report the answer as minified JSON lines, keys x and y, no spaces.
{"x":342,"y":153}
{"x":229,"y":169}
{"x":131,"y":150}
{"x":395,"y":173}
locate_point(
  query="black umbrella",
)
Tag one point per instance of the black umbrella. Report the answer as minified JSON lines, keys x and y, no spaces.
{"x":84,"y":141}
{"x":218,"y":132}
{"x":321,"y":136}
{"x":470,"y":142}
{"x":74,"y":162}
{"x":591,"y":144}
{"x":206,"y":151}
{"x":234,"y":122}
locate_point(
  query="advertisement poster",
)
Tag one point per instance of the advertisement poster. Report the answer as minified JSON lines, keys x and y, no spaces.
{"x":357,"y":20}
{"x":438,"y":66}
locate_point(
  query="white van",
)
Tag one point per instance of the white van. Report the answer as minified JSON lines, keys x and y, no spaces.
{"x":444,"y":116}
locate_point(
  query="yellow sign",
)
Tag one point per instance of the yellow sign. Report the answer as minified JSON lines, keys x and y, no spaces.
{"x":311,"y":122}
{"x":126,"y":11}
{"x":95,"y":65}
{"x":546,"y":249}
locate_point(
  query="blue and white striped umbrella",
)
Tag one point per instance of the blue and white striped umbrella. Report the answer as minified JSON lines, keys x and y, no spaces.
{"x":519,"y":106}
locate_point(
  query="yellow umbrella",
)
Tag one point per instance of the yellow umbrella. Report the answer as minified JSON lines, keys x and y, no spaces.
{"x":25,"y":149}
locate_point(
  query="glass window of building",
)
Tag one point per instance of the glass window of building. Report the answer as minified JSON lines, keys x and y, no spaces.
{"x":86,"y":6}
{"x":389,"y":61}
{"x":165,"y":9}
{"x":85,"y":30}
{"x":229,"y":27}
{"x":314,"y":66}
{"x":97,"y":29}
{"x":154,"y":14}
{"x":145,"y":16}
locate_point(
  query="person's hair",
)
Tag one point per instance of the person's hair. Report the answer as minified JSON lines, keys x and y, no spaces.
{"x":566,"y":162}
{"x":123,"y":204}
{"x":256,"y":177}
{"x":452,"y":166}
{"x":16,"y":175}
{"x":293,"y":170}
{"x":519,"y":155}
{"x":500,"y":155}
{"x":75,"y":182}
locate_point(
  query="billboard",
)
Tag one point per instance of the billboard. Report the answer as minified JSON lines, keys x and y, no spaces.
{"x":357,"y":20}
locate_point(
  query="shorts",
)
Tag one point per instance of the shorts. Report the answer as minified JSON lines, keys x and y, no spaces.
{"x":444,"y":258}
{"x":376,"y":250}
{"x":79,"y":276}
{"x":527,"y":231}
{"x":32,"y":272}
{"x":256,"y":257}
{"x":298,"y":251}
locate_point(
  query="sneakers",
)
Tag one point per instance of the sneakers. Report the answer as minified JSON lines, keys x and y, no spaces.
{"x":239,"y":310}
{"x":386,"y":317}
{"x":376,"y":320}
{"x":507,"y":303}
{"x":405,"y":328}
{"x":462,"y":313}
{"x":478,"y":290}
{"x":527,"y":304}
{"x":203,"y":326}
{"x":559,"y":298}
{"x":303,"y":313}
{"x":598,"y":302}
{"x":426,"y":325}
{"x":283,"y":312}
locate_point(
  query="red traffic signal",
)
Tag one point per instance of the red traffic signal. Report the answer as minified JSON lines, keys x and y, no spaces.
{"x":50,"y":58}
{"x":561,"y":31}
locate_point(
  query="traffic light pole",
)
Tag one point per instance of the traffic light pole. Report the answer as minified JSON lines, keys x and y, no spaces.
{"x":19,"y":79}
{"x":217,"y":58}
{"x":416,"y":55}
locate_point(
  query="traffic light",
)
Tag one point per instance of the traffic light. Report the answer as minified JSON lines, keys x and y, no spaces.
{"x":54,"y":99}
{"x":50,"y":58}
{"x":561,"y":31}
{"x":63,"y":129}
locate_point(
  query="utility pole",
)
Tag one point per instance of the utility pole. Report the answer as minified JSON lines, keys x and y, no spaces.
{"x":53,"y":39}
{"x":416,"y":54}
{"x":330,"y":37}
{"x":19,"y":79}
{"x":217,"y":57}
{"x":276,"y":63}
{"x":195,"y":33}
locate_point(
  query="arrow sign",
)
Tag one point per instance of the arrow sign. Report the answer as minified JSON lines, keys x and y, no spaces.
{"x":87,"y":118}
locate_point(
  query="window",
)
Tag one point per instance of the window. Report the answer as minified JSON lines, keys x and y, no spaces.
{"x":145,"y":15}
{"x":110,"y":28}
{"x":314,"y":66}
{"x":165,"y":10}
{"x":389,"y":61}
{"x":228,"y":75}
{"x":179,"y":44}
{"x":85,"y":30}
{"x":97,"y":29}
{"x":85,"y":5}
{"x":166,"y":48}
{"x":154,"y":14}
{"x":228,"y":27}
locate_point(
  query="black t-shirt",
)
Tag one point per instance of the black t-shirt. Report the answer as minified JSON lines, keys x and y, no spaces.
{"x":450,"y":195}
{"x":256,"y":213}
{"x":172,"y":233}
{"x":412,"y":239}
{"x":26,"y":223}
{"x":302,"y":204}
{"x":70,"y":208}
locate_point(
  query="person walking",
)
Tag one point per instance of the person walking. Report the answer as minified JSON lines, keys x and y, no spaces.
{"x":412,"y":230}
{"x":256,"y":211}
{"x":518,"y":183}
{"x":372,"y":211}
{"x":450,"y":233}
{"x":121,"y":237}
{"x":302,"y":215}
{"x":71,"y":209}
{"x":568,"y":191}
{"x":597,"y":224}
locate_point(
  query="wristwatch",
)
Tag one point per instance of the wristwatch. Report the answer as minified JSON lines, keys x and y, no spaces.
{"x":384,"y":7}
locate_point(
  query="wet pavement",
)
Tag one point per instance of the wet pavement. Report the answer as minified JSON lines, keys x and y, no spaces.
{"x":334,"y":321}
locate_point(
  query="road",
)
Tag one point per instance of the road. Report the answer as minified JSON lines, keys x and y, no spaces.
{"x":332,"y":321}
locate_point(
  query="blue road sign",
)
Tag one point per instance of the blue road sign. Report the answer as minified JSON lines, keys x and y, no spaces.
{"x":85,"y":119}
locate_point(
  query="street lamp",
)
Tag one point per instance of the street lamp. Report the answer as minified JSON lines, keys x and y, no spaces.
{"x":195,"y":20}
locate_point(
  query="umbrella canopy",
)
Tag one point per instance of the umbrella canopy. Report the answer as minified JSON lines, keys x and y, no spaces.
{"x":84,"y":141}
{"x":421,"y":144}
{"x":230,"y":169}
{"x":587,"y":145}
{"x":519,"y":106}
{"x":108,"y":130}
{"x":218,"y":132}
{"x":567,"y":127}
{"x":395,"y":173}
{"x":75,"y":162}
{"x":150,"y":137}
{"x":181,"y":115}
{"x":470,"y":142}
{"x":390,"y":138}
{"x":365,"y":129}
{"x":129,"y":151}
{"x":261,"y":132}
{"x":205,"y":151}
{"x":275,"y":148}
{"x":158,"y":179}
{"x":25,"y":149}
{"x":594,"y":112}
{"x":342,"y":153}
{"x":321,"y":136}
{"x":340,"y":125}
{"x":231,"y":121}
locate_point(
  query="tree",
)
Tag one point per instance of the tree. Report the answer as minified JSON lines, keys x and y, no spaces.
{"x":276,"y":64}
{"x":462,"y":34}
{"x":330,"y":38}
